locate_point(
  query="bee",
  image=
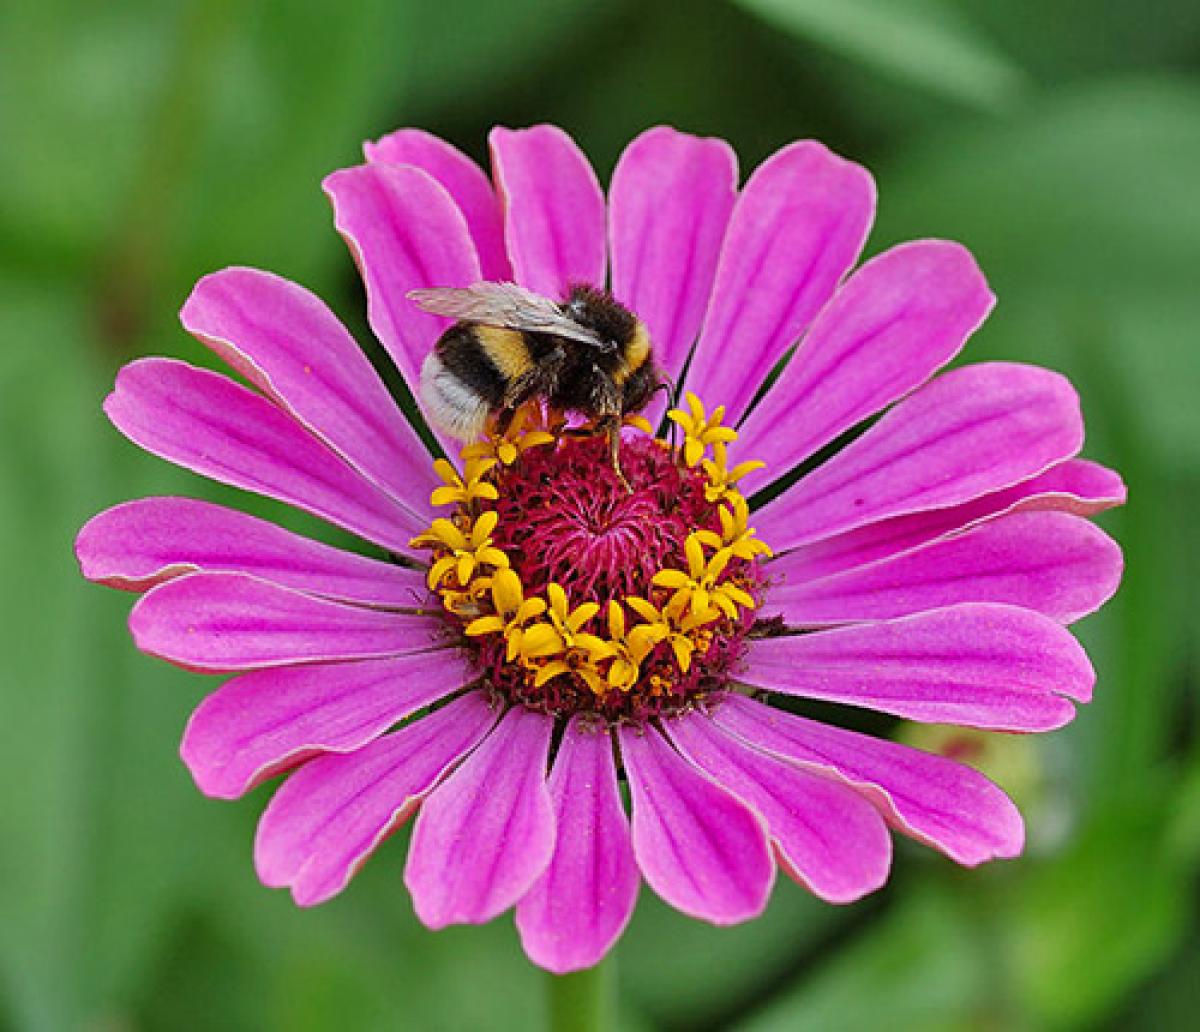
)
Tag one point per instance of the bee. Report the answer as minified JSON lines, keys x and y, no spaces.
{"x":587,"y":354}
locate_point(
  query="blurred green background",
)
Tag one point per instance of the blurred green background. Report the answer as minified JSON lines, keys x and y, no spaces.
{"x":145,"y":143}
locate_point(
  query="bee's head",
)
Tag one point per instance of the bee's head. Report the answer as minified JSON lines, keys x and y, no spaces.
{"x":600,"y":312}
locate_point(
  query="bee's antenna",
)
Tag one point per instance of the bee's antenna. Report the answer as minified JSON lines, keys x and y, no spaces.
{"x":666,"y":383}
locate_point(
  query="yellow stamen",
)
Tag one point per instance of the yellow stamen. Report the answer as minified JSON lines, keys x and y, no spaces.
{"x":464,"y":489}
{"x":513,"y":612}
{"x":524,"y":432}
{"x":722,"y":481}
{"x":467,"y":603}
{"x":697,"y":590}
{"x":736,"y":534}
{"x":563,"y":629}
{"x":464,"y":552}
{"x":678,"y":630}
{"x":699,"y":429}
{"x":641,"y":423}
{"x":631,"y":648}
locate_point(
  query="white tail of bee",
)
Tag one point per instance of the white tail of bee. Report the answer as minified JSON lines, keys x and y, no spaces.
{"x":451,"y":405}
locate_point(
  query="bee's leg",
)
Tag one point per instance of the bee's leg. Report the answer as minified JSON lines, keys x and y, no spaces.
{"x":610,"y":426}
{"x":504,"y":419}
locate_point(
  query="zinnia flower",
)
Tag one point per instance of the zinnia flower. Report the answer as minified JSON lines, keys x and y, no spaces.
{"x":526,"y":630}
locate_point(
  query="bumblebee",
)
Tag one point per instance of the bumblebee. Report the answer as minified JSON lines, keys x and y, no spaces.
{"x":588,"y":355}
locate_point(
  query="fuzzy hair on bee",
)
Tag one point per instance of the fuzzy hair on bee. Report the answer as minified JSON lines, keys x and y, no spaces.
{"x":587,"y":354}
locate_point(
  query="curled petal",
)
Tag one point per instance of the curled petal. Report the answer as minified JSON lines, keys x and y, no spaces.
{"x":827,"y":836}
{"x":578,"y":908}
{"x":142,"y":543}
{"x":405,"y":233}
{"x":697,"y":846}
{"x":944,"y":804}
{"x":989,"y":666}
{"x":463,"y":180}
{"x":487,"y":834}
{"x":267,"y":721}
{"x":328,"y":817}
{"x":553,"y":209}
{"x":224,"y":622}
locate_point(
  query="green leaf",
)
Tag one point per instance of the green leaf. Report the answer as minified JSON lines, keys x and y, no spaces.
{"x":927,"y":43}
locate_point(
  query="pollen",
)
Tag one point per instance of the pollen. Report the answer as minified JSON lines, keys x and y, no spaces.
{"x":579,"y":593}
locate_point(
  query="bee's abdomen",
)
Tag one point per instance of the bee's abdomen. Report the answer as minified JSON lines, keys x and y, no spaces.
{"x":466,"y":375}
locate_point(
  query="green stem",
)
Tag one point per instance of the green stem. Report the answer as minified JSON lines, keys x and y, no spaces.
{"x":584,"y":1001}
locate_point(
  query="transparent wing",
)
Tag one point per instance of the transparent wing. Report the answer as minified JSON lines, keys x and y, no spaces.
{"x":502,"y":304}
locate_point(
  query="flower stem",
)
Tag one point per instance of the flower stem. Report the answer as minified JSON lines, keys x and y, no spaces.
{"x":583,"y":1001}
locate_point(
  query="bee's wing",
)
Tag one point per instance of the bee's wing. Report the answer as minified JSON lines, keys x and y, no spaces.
{"x":502,"y":304}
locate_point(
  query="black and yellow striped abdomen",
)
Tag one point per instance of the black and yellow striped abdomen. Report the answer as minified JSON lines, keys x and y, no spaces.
{"x":468,"y":374}
{"x":506,"y":350}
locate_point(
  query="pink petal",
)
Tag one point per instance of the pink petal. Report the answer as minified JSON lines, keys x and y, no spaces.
{"x":698,"y":847}
{"x":1052,"y":562}
{"x":895,"y":323}
{"x":139,"y":544}
{"x":974,"y":430}
{"x":1075,"y":486}
{"x":223,"y":622}
{"x":463,"y":180}
{"x":989,"y":666}
{"x":578,"y":908}
{"x":291,"y":347}
{"x":827,"y":836}
{"x":553,"y":209}
{"x":219,"y":429}
{"x":797,"y":228}
{"x":945,"y":805}
{"x":669,"y":204}
{"x":487,"y":834}
{"x":329,"y":816}
{"x":259,"y":724}
{"x":405,"y":232}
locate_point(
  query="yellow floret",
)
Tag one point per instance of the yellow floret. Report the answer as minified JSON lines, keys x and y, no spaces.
{"x":699,"y":429}
{"x":464,"y":553}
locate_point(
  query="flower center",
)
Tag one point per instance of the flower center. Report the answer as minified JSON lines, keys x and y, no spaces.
{"x":580,"y":593}
{"x":565,"y":517}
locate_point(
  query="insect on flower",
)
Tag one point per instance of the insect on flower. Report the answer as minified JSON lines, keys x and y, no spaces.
{"x":528,"y":623}
{"x":588,"y":355}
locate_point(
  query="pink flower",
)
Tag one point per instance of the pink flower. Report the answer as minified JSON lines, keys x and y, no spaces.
{"x":566,"y":629}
